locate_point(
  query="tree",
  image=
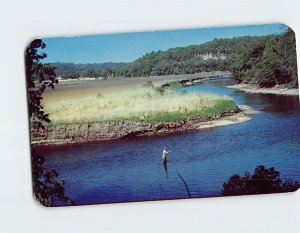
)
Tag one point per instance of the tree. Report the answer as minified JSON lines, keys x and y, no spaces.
{"x":46,"y":189}
{"x":268,"y":61}
{"x":262,"y":181}
{"x":37,"y":72}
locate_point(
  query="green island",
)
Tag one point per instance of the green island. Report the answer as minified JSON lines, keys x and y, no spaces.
{"x":141,"y":110}
{"x":142,"y":104}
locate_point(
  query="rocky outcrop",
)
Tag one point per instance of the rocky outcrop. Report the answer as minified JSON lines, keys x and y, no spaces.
{"x":65,"y":134}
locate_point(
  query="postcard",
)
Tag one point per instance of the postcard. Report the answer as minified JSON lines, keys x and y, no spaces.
{"x":163,"y":115}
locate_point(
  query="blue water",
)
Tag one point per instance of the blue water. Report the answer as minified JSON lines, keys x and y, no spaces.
{"x":131,"y":170}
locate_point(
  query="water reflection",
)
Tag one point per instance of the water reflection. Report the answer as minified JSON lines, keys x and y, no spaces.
{"x":282,"y":103}
{"x":165,"y":168}
{"x":269,"y":102}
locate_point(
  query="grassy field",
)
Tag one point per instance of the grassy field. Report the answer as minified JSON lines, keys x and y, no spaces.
{"x":139,"y":104}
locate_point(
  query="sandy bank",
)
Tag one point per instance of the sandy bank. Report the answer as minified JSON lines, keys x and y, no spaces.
{"x":67,"y":134}
{"x":279,"y":90}
{"x":227,"y":120}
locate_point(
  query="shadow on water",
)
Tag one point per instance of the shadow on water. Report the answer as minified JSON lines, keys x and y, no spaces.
{"x":165,"y":168}
{"x":271,"y":103}
{"x":282,"y":103}
{"x":185,"y":184}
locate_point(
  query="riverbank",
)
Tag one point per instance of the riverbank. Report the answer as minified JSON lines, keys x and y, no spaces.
{"x":76,"y":133}
{"x":278,"y":90}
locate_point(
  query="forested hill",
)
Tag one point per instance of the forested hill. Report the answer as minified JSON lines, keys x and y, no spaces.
{"x":72,"y":70}
{"x":266,"y":60}
{"x":214,"y":55}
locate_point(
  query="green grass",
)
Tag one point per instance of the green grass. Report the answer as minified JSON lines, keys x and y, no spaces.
{"x":220,"y":107}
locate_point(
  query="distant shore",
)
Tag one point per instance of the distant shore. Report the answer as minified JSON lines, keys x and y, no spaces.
{"x":118,"y":83}
{"x":278,"y":90}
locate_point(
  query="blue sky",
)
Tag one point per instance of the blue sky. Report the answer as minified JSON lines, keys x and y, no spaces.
{"x":130,"y":46}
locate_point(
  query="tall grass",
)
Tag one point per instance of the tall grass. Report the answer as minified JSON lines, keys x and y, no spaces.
{"x":141,"y":104}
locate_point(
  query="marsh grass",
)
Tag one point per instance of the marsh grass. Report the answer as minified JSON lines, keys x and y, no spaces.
{"x":141,"y":104}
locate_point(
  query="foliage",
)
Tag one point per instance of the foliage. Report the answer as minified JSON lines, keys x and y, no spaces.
{"x":211,"y":56}
{"x":268,"y":62}
{"x":92,"y":70}
{"x":43,"y":74}
{"x":46,"y":189}
{"x":262,"y":181}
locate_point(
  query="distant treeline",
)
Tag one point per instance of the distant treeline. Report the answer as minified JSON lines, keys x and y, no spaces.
{"x":72,"y":70}
{"x":265,"y":60}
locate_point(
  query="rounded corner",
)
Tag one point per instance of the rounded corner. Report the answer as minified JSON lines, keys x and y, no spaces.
{"x":39,"y":202}
{"x":296,"y":190}
{"x":288,"y":27}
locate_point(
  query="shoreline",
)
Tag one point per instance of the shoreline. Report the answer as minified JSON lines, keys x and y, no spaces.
{"x":254,"y":89}
{"x":97,"y":132}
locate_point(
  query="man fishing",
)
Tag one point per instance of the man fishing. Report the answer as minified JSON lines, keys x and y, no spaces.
{"x":165,"y":152}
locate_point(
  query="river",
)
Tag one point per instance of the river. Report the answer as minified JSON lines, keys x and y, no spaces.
{"x":131,"y":170}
